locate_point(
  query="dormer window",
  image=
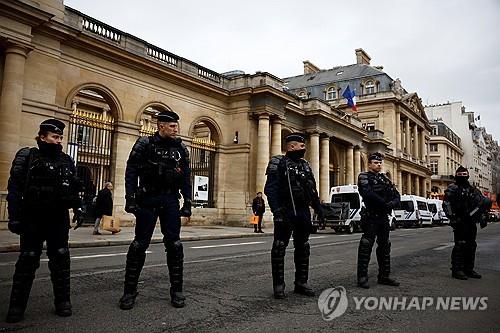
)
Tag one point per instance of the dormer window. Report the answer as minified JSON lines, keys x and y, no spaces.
{"x":369,"y":87}
{"x":303,"y":94}
{"x":331,"y":94}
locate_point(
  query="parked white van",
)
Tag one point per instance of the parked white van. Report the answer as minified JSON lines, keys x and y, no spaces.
{"x":413,"y":211}
{"x":436,"y":208}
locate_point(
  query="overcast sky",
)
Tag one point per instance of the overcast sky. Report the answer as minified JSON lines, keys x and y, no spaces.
{"x":443,"y":50}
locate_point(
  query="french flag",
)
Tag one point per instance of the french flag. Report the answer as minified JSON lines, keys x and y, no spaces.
{"x":350,"y":95}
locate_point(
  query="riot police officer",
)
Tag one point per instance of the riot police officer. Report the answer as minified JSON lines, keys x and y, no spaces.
{"x":290,"y":190}
{"x":380,"y":197}
{"x":464,"y":205}
{"x":157,"y":168}
{"x":42,"y":187}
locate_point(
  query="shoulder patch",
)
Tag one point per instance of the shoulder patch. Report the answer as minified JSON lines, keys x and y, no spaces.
{"x":273,"y":165}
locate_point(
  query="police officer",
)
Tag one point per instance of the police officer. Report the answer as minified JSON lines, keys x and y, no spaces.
{"x":290,"y":190}
{"x":464,"y":205}
{"x":42,"y":187}
{"x":380,"y":197}
{"x":157,"y":168}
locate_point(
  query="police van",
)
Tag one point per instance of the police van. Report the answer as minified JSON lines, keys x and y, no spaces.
{"x":348,"y":194}
{"x":413,"y":211}
{"x":436,"y":208}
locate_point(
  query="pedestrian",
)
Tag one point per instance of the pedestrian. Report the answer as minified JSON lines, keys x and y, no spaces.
{"x":380,"y":197}
{"x":157,"y":169}
{"x":42,"y":187}
{"x":291,"y":189}
{"x":103,"y":205}
{"x":258,"y":208}
{"x":464,"y":205}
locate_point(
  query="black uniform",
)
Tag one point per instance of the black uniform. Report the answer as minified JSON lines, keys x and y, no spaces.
{"x":42,"y":187}
{"x":380,"y":197}
{"x":157,"y":169}
{"x":464,"y":205}
{"x":290,"y":190}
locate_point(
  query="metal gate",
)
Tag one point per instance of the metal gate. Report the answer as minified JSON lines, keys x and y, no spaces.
{"x":89,"y":143}
{"x":202,"y":164}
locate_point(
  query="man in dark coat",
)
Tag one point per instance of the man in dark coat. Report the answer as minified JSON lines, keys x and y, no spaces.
{"x":103,"y":205}
{"x":258,"y":208}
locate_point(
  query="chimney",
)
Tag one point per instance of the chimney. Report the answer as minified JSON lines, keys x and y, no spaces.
{"x":309,"y":67}
{"x":362,"y":57}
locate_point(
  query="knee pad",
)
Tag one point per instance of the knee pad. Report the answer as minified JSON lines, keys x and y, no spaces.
{"x":304,"y":248}
{"x":59,"y":253}
{"x":29,"y":259}
{"x":365,"y":242}
{"x":173,"y":246}
{"x":279,"y":248}
{"x":138,"y":247}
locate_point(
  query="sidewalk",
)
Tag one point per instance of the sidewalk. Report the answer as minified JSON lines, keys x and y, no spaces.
{"x":83,"y":237}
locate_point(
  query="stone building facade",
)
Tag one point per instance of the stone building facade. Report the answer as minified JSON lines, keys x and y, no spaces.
{"x":108,"y":86}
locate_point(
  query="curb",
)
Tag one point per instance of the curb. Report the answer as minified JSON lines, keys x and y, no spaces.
{"x":156,"y":240}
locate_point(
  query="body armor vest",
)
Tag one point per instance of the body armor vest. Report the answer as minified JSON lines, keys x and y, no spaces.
{"x":51,"y":181}
{"x":301,"y":183}
{"x":382,"y":186}
{"x":162,"y":170}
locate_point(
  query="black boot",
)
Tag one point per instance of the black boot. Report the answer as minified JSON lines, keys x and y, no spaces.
{"x":175,"y":263}
{"x":135,"y":261}
{"x":301,"y":259}
{"x":59,"y":266}
{"x":469,"y":260}
{"x":364,"y":253}
{"x":384,"y":265}
{"x":457,"y":261}
{"x":278,"y":268}
{"x":26,"y":266}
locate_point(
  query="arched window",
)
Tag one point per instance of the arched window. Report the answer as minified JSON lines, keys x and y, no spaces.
{"x":331,"y":94}
{"x":303,"y":94}
{"x":369,"y":87}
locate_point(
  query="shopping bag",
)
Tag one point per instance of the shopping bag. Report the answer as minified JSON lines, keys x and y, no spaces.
{"x":110,"y":223}
{"x":254,"y":219}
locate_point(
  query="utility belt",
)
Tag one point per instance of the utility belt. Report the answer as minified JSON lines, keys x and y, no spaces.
{"x":49,"y":196}
{"x":372,"y":214}
{"x":150,"y":191}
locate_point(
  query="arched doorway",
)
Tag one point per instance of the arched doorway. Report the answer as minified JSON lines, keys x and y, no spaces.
{"x":205,"y":139}
{"x":90,"y":141}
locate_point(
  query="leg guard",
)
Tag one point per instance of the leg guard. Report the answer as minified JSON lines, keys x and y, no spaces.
{"x":384,"y":260}
{"x":278,"y":268}
{"x":26,"y":266}
{"x":469,"y":256}
{"x":301,"y":259}
{"x":364,"y":253}
{"x":175,"y":263}
{"x":457,"y":256}
{"x":59,"y":266}
{"x":136,"y":257}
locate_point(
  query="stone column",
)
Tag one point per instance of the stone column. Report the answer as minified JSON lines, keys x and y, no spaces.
{"x":262,"y":151}
{"x":422,"y":145}
{"x":415,"y":142}
{"x":417,"y":185}
{"x":276,"y":137}
{"x":408,"y":183}
{"x":324,"y":178}
{"x":408,"y":137}
{"x":314,"y":156}
{"x":357,"y":163}
{"x":400,"y":181}
{"x":398,"y":134}
{"x":350,"y":166}
{"x":11,"y":104}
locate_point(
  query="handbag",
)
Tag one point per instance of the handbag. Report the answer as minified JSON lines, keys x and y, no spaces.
{"x":254,"y":219}
{"x":110,"y":223}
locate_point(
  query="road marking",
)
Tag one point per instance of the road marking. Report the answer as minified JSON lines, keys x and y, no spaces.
{"x":224,"y":245}
{"x":317,"y":237}
{"x":444,"y":246}
{"x":77,"y":257}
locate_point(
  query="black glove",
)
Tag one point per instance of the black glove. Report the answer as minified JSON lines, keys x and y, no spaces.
{"x":77,"y":218}
{"x":278,"y":215}
{"x":131,"y":204}
{"x":483,"y":223}
{"x":186,"y":208}
{"x":15,"y":227}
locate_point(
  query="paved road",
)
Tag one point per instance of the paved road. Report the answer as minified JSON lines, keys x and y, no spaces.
{"x":228,"y":288}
